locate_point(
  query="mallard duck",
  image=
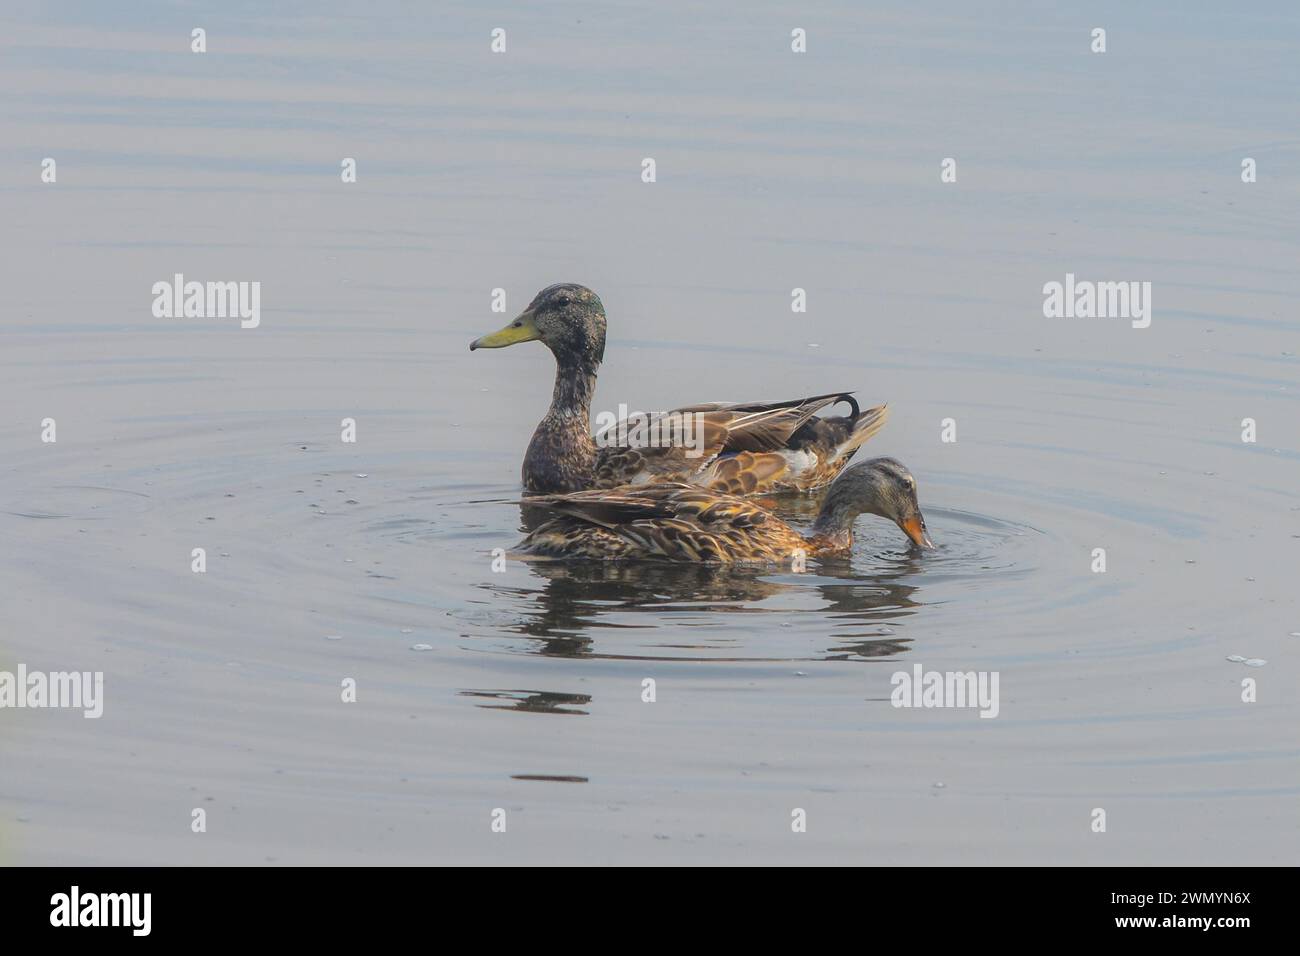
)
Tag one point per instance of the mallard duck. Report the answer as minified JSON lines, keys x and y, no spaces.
{"x":742,"y":448}
{"x":681,"y":522}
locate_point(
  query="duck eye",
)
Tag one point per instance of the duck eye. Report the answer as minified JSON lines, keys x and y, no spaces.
{"x":517,"y":323}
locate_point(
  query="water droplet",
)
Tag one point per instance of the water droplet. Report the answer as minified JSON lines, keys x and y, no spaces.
{"x":421,"y":647}
{"x":1236,"y":658}
{"x":333,"y":637}
{"x":1256,"y":662}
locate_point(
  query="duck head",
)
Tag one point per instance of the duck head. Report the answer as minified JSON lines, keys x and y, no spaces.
{"x":881,"y":486}
{"x":567,"y":318}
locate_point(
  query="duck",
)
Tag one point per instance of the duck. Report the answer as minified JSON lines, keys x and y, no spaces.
{"x":742,"y":448}
{"x":682,"y":522}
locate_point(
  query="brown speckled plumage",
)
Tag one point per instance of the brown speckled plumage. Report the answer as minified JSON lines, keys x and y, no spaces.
{"x":743,"y":448}
{"x":681,"y":522}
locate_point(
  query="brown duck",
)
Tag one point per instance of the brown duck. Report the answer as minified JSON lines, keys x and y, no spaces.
{"x":743,"y":448}
{"x":679,"y":522}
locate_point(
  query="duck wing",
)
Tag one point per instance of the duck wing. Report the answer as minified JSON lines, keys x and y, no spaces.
{"x":763,"y":426}
{"x":681,"y":445}
{"x":812,"y":458}
{"x":676,"y":522}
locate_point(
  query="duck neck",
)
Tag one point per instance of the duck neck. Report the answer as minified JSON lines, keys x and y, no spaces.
{"x":836,"y":517}
{"x":820,"y":542}
{"x":833,"y":529}
{"x":562,"y":456}
{"x":575,"y":384}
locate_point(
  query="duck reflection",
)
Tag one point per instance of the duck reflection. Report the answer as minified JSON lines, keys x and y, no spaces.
{"x":531,"y":701}
{"x":580,"y":597}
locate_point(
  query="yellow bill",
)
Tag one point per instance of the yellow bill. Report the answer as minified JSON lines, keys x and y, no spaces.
{"x":522,"y":329}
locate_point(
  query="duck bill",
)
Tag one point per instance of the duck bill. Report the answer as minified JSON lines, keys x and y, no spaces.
{"x":914,"y":528}
{"x":522,"y":329}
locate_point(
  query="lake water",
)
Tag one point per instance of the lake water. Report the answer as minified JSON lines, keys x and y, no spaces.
{"x":521,"y":690}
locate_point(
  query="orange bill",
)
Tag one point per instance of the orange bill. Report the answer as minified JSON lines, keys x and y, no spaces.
{"x":915,"y":529}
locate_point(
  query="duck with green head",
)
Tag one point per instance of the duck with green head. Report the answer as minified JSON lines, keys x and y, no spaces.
{"x":742,"y":448}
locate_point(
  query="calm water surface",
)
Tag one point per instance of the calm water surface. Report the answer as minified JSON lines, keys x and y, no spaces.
{"x":522,"y":689}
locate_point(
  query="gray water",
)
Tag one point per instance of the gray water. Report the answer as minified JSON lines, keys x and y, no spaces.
{"x":330,"y":560}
